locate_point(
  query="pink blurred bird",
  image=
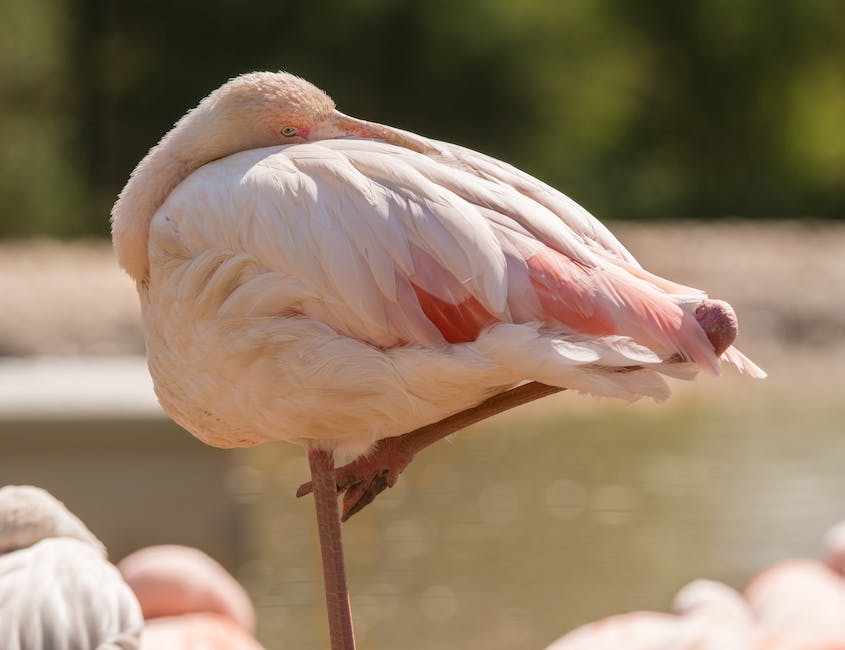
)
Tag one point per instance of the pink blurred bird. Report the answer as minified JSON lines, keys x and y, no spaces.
{"x":189,"y":601}
{"x":707,"y":616}
{"x":800,"y":603}
{"x":792,"y":605}
{"x":310,"y":277}
{"x":57,"y":589}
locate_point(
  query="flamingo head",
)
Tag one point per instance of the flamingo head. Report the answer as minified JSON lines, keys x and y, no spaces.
{"x":251,"y":111}
{"x":262,"y":109}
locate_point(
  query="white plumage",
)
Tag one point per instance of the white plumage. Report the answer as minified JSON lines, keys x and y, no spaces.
{"x":346,"y":289}
{"x":57,"y":590}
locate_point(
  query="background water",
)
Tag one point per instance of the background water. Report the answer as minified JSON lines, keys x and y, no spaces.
{"x":512,"y":533}
{"x":523,"y":528}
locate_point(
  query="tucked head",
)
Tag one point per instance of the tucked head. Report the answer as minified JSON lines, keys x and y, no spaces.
{"x":254,"y":110}
{"x":29,"y":514}
{"x":263,"y":109}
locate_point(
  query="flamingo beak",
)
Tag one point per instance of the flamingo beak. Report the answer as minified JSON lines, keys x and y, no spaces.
{"x":338,"y":125}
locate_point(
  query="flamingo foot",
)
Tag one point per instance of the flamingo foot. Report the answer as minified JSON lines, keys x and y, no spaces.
{"x":365,"y":478}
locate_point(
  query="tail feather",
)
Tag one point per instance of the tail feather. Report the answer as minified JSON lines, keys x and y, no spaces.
{"x":664,"y":320}
{"x":612,"y":300}
{"x":658,"y":281}
{"x":743,"y":363}
{"x":612,"y":366}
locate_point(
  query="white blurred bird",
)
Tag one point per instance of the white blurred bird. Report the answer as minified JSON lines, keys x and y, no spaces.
{"x":57,"y":590}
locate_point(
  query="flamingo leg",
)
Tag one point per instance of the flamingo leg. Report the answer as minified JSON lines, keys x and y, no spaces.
{"x":365,"y":478}
{"x":324,"y":482}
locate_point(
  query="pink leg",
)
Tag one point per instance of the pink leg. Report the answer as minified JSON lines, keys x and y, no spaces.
{"x":324,"y":482}
{"x":367,"y":477}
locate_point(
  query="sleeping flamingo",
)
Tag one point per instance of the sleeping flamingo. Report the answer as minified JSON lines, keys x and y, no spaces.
{"x":189,"y":601}
{"x":310,"y":277}
{"x":57,"y":590}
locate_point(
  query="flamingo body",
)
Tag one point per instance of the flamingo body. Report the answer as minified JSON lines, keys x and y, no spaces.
{"x":364,"y":281}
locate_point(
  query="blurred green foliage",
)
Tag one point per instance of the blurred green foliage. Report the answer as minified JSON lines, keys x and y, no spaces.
{"x":701,"y":108}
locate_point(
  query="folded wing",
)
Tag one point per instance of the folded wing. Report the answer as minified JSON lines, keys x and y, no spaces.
{"x":393,"y":247}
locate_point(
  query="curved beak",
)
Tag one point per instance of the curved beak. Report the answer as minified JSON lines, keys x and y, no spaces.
{"x":338,"y":125}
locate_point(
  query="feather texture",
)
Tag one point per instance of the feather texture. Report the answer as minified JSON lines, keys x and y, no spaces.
{"x":57,"y":590}
{"x":350,"y":290}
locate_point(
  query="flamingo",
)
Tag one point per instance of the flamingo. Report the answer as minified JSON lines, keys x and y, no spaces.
{"x":707,"y":615}
{"x":188,"y":601}
{"x":311,"y":277}
{"x":57,"y":590}
{"x":801,"y":601}
{"x":795,"y":604}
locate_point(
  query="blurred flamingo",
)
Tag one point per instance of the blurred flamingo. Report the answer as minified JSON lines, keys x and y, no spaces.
{"x":800,"y":603}
{"x":834,"y":548}
{"x":310,"y":277}
{"x":707,"y":616}
{"x":795,"y":604}
{"x":189,"y":601}
{"x":57,"y":590}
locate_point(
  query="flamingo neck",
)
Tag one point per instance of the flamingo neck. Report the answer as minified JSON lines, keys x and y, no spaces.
{"x":174,"y":158}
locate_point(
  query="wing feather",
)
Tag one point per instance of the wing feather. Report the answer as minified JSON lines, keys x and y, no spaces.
{"x":62,"y":593}
{"x":594,"y":233}
{"x":392,"y":246}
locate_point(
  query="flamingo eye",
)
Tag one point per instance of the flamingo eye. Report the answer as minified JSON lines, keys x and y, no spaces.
{"x":289,"y":131}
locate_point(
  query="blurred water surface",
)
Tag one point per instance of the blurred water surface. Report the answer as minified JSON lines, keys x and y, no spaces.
{"x":504,"y":538}
{"x":527,"y":526}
